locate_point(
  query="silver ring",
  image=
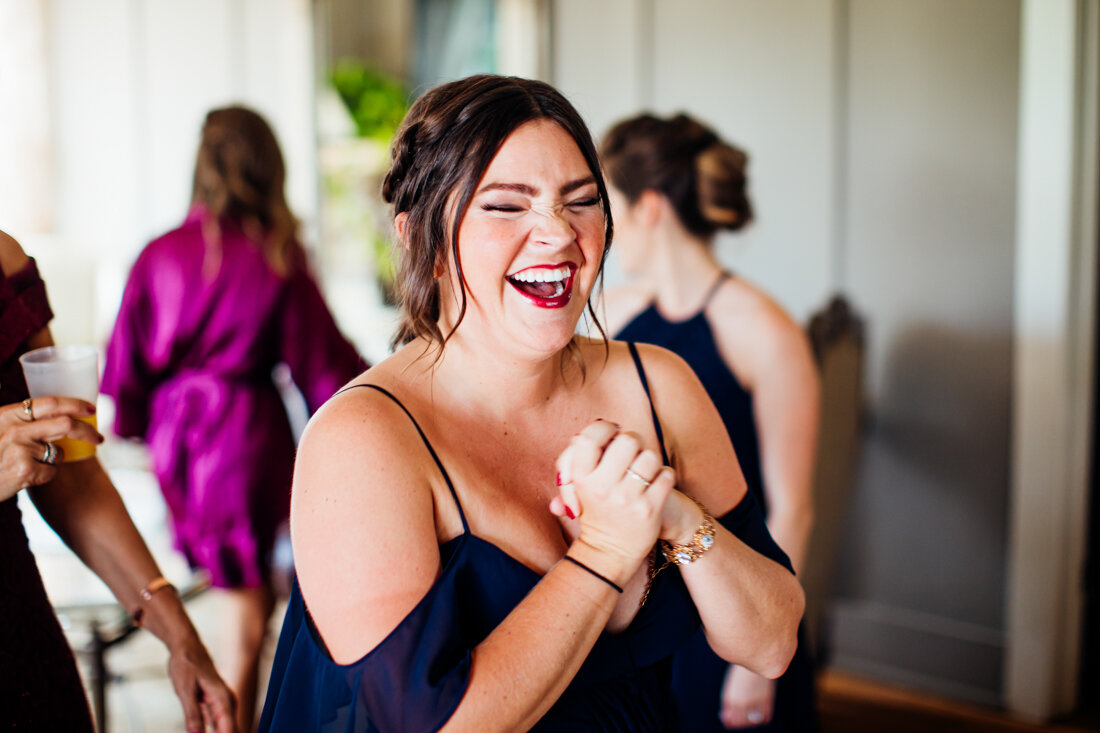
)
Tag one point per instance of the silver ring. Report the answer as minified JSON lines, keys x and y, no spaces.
{"x":755,"y":717}
{"x":50,"y":455}
{"x":28,"y":409}
{"x":635,"y":475}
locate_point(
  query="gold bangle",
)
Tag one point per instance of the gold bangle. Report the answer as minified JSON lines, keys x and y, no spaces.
{"x":146,"y":594}
{"x":701,"y":541}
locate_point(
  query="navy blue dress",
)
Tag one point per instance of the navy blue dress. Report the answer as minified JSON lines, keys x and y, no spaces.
{"x":698,"y":672}
{"x":416,"y":677}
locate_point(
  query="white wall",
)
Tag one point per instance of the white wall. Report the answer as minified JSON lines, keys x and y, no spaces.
{"x":761,"y":74}
{"x":129,"y":84}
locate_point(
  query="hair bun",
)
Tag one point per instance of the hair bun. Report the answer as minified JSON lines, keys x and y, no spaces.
{"x":721,"y":186}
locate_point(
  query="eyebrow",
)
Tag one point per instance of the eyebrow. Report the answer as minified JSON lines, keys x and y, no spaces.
{"x":527,"y":190}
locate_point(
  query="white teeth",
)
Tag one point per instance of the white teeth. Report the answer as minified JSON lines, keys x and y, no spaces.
{"x":542,"y":275}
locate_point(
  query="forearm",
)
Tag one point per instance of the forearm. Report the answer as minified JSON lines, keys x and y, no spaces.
{"x":521,"y":669}
{"x":85,"y":510}
{"x":750,"y":606}
{"x":790,"y":527}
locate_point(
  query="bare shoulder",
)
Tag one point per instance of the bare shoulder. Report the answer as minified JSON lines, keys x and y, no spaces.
{"x":622,"y":304}
{"x":753,"y":330}
{"x":695,"y":437}
{"x":12,"y":256}
{"x":673,"y":385}
{"x":362,"y":509}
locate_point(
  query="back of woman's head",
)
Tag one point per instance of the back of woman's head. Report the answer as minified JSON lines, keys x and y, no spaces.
{"x":702,"y":176}
{"x":240,"y":176}
{"x":446,"y":142}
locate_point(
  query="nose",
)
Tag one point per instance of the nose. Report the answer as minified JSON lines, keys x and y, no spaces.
{"x":552,"y":227}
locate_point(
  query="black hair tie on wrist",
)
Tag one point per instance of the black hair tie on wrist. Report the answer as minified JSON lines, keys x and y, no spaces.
{"x":587,"y":569}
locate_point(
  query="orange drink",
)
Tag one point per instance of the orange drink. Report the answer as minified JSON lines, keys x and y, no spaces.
{"x":65,"y":371}
{"x":78,"y":450}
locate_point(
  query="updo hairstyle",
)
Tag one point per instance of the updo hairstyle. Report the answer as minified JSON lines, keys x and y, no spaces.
{"x":702,"y":176}
{"x":440,"y":153}
{"x":239,"y":176}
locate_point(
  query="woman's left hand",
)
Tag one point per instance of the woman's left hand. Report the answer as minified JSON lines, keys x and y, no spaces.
{"x":680,"y":516}
{"x":205,"y":697}
{"x":747,"y":699}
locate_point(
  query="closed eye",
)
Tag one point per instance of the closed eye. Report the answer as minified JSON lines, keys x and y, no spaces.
{"x":504,"y":208}
{"x":584,"y":203}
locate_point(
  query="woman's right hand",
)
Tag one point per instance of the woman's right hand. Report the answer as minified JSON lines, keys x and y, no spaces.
{"x":24,"y":435}
{"x":622,"y":488}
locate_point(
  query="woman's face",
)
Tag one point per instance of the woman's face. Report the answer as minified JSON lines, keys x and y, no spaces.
{"x":631,"y":235}
{"x":530,"y":243}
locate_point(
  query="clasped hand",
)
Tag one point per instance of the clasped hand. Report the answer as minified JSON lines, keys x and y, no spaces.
{"x":620,"y":494}
{"x":25,"y":460}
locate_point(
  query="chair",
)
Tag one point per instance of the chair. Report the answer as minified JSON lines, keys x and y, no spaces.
{"x":836,"y":335}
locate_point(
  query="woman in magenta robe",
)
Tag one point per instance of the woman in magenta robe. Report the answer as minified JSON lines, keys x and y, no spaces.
{"x":209,"y":310}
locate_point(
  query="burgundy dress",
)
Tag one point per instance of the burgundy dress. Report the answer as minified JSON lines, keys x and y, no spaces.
{"x":190,"y":367}
{"x":39,"y":686}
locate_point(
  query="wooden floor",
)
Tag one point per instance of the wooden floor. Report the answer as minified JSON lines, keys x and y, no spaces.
{"x":851,"y":705}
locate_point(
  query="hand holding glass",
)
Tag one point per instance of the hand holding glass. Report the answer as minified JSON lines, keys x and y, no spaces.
{"x":65,"y":371}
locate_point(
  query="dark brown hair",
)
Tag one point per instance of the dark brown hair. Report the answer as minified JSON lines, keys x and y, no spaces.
{"x":239,"y":176}
{"x":702,"y":176}
{"x":446,"y":142}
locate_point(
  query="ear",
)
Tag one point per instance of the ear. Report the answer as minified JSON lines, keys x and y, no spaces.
{"x":649,"y":207}
{"x":399,"y":223}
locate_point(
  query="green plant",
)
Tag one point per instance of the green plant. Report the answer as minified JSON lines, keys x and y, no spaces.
{"x":376,"y":101}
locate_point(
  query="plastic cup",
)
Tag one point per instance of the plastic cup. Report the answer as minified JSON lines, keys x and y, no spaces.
{"x":65,"y":371}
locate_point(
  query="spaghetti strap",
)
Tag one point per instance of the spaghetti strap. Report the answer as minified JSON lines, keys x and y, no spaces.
{"x":427,"y":444}
{"x":652,"y":410}
{"x":722,"y":277}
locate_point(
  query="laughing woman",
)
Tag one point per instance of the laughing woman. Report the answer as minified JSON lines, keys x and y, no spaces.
{"x":505,"y":526}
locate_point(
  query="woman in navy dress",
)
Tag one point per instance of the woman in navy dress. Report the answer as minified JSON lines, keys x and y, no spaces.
{"x":674,"y":186}
{"x":476,"y":519}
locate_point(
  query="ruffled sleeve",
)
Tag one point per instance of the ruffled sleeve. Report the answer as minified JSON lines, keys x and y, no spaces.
{"x":25,"y":309}
{"x":412,"y":681}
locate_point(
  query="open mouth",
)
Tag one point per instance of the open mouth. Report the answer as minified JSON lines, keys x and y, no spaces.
{"x":547,"y":286}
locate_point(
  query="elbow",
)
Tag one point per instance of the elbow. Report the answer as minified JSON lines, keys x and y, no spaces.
{"x":776,"y":635}
{"x":776,"y":659}
{"x":777,"y":655}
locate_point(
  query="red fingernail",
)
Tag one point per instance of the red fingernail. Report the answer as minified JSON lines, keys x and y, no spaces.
{"x":569,"y":512}
{"x":558,"y":478}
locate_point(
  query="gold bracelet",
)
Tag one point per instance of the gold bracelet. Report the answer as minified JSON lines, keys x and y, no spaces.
{"x":700,"y":542}
{"x":146,"y":594}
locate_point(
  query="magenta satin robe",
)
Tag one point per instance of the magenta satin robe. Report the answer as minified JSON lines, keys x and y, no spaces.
{"x":189,"y":364}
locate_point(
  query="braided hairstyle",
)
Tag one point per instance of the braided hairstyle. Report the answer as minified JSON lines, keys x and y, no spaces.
{"x":239,"y":177}
{"x":446,"y":142}
{"x":702,"y":176}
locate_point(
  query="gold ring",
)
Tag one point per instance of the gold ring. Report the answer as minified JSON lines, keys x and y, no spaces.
{"x":28,"y":409}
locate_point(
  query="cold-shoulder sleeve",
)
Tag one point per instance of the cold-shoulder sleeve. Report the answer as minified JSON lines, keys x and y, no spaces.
{"x":128,"y":376}
{"x":26,"y":310}
{"x":321,"y":360}
{"x":746,"y":521}
{"x":412,"y":681}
